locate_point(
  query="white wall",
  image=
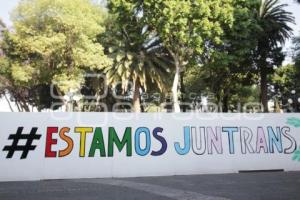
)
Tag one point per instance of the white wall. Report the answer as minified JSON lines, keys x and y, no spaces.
{"x":36,"y":166}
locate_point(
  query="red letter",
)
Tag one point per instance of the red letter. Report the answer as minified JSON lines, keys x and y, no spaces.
{"x":50,"y":141}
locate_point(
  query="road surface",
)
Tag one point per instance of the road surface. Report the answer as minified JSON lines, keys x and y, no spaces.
{"x":246,"y":186}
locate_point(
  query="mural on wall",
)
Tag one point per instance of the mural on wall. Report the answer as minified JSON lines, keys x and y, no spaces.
{"x":105,"y":145}
{"x":195,"y":140}
{"x":293,"y":121}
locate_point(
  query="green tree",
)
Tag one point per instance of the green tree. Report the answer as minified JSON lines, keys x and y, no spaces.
{"x":285,"y":80}
{"x":3,"y":65}
{"x":273,"y":21}
{"x":54,"y":42}
{"x":229,"y":67}
{"x":137,"y":52}
{"x":187,"y":29}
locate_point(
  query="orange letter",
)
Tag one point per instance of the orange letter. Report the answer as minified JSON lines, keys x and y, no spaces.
{"x":68,"y":140}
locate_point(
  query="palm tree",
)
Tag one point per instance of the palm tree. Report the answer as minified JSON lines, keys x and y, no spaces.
{"x":138,"y":57}
{"x":274,"y":30}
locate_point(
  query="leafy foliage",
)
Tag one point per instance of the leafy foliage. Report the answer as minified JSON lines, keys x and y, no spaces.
{"x":229,"y":67}
{"x":224,"y":47}
{"x":54,"y":41}
{"x":187,"y":29}
{"x":137,"y":52}
{"x":285,"y":79}
{"x":274,"y":24}
{"x":188,"y":25}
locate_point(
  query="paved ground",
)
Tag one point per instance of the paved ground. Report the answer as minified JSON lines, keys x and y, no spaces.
{"x":256,"y":186}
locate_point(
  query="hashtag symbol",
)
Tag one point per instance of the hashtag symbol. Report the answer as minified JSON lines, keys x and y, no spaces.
{"x":23,"y":148}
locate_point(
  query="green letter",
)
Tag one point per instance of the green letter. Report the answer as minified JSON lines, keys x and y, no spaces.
{"x":98,"y":143}
{"x":113,"y":138}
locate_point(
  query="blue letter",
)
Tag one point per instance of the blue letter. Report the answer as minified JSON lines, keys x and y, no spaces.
{"x":275,"y":139}
{"x":138,"y":149}
{"x":230,"y":131}
{"x":187,"y":143}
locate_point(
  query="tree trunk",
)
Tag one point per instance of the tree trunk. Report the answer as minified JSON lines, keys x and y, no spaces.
{"x":9,"y":104}
{"x":182,"y":91}
{"x":264,"y":89}
{"x":110,"y":100}
{"x":136,"y":107}
{"x":142,"y":105}
{"x":24,"y":105}
{"x":175,"y":88}
{"x":18,"y":106}
{"x":225,"y":108}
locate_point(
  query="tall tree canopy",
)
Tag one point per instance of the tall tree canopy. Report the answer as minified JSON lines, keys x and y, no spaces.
{"x":229,"y":66}
{"x":225,"y":47}
{"x":285,"y":80}
{"x":137,"y":53}
{"x":187,"y":29}
{"x":53,"y":42}
{"x":274,"y":24}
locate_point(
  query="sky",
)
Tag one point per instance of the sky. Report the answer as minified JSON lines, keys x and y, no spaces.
{"x":6,"y":6}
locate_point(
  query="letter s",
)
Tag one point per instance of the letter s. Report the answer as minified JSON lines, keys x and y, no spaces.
{"x":162,"y":140}
{"x":292,"y":148}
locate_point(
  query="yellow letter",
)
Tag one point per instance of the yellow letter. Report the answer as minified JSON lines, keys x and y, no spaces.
{"x":83,"y":131}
